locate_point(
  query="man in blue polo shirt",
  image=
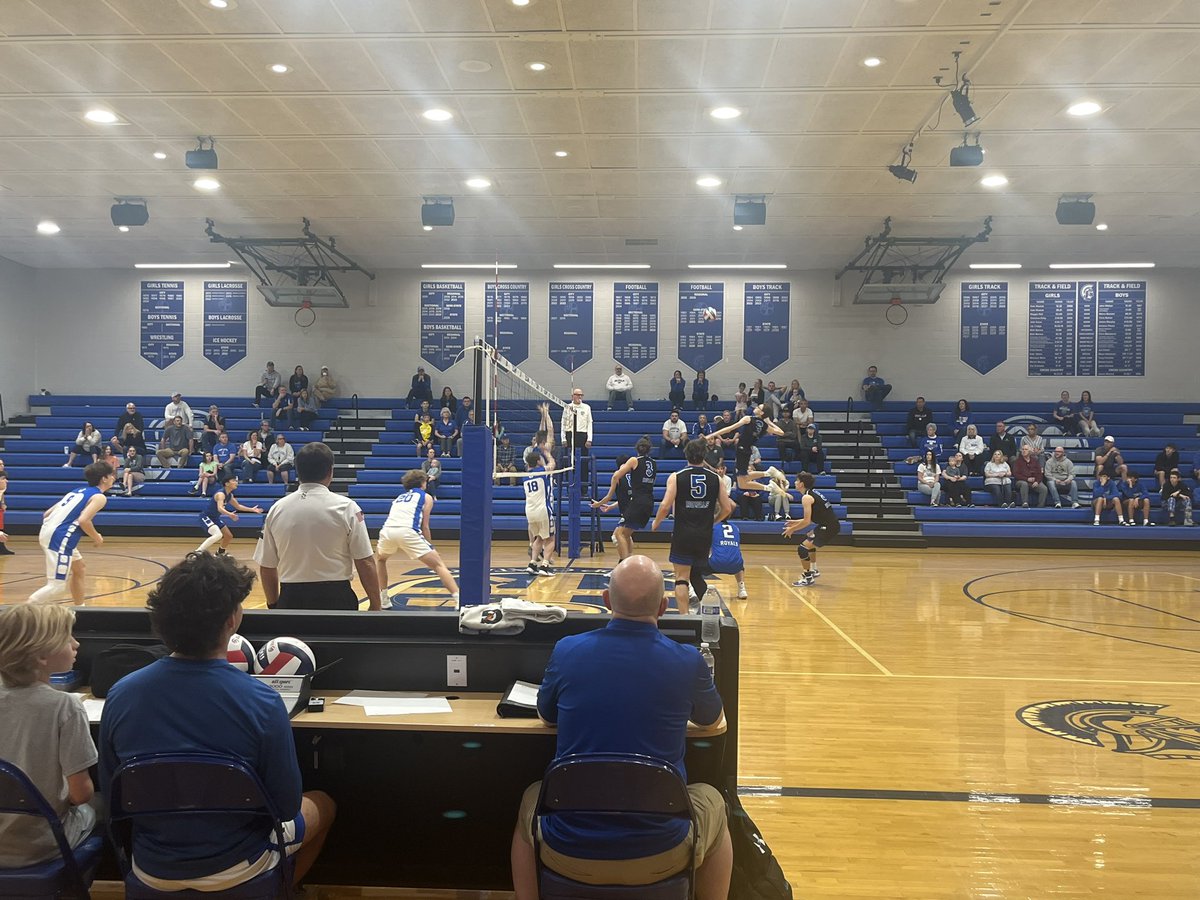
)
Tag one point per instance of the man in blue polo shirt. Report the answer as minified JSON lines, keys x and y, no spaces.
{"x":627,"y":688}
{"x":195,"y":701}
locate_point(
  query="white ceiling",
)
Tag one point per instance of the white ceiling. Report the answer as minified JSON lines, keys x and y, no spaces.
{"x":340,"y":138}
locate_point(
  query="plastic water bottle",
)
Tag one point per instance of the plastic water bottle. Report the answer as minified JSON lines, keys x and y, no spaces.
{"x":708,"y":658}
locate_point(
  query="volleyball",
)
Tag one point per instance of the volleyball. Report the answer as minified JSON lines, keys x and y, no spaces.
{"x":709,"y":314}
{"x":240,"y":654}
{"x":286,"y":656}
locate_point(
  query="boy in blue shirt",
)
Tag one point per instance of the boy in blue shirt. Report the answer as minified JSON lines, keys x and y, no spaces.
{"x":1133,"y":495}
{"x":725,"y":558}
{"x":1105,"y":493}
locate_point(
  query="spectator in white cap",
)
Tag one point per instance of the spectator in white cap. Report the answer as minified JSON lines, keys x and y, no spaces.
{"x":178,"y":407}
{"x":1109,"y":459}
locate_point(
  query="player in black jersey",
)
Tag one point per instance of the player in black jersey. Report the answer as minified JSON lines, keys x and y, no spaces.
{"x":749,"y":429}
{"x":637,"y":474}
{"x":817,"y":512}
{"x":698,"y":497}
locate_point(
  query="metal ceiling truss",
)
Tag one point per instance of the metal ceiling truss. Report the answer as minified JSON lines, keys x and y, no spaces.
{"x":887,"y":259}
{"x":306,"y":261}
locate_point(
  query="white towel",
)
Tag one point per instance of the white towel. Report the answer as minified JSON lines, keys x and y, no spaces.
{"x":507,"y":616}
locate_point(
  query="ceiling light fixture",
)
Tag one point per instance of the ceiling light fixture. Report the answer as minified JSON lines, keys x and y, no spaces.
{"x":520,"y":2}
{"x":967,"y":155}
{"x":206,"y":184}
{"x":101,"y":116}
{"x":737,"y":265}
{"x":561,"y":154}
{"x":478,"y":183}
{"x":438,"y":115}
{"x":750,"y":209}
{"x":280,"y":68}
{"x":872,"y":62}
{"x":537,"y":67}
{"x":995,"y":265}
{"x":218,"y":4}
{"x":223,"y":265}
{"x":129,"y":211}
{"x":1136,"y":265}
{"x":202,"y":157}
{"x":601,"y":265}
{"x":122,"y":228}
{"x":48,"y":227}
{"x":993,"y":181}
{"x":1083,"y":108}
{"x":738,"y":227}
{"x":1075,"y":209}
{"x":708,"y":181}
{"x":960,"y":96}
{"x":158,"y":154}
{"x":725,"y":112}
{"x":1102,"y":226}
{"x":902,"y":171}
{"x":490,"y":265}
{"x":427,"y":228}
{"x":437,"y":210}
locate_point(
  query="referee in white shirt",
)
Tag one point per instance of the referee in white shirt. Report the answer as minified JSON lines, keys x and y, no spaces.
{"x":312,"y":542}
{"x":577,"y":423}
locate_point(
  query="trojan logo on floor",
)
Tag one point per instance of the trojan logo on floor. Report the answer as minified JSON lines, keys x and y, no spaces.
{"x":1123,"y":726}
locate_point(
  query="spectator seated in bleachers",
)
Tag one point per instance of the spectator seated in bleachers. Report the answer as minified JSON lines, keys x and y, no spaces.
{"x":176,"y":445}
{"x":676,"y":390}
{"x":1105,"y":494}
{"x":432,"y":467}
{"x":780,"y":498}
{"x":87,"y":444}
{"x":1060,"y":478}
{"x":135,"y":472}
{"x":1135,"y":496}
{"x":955,"y":477}
{"x":960,"y":419}
{"x":873,"y":388}
{"x":812,"y":451}
{"x":426,"y":438}
{"x":1088,"y":426}
{"x":253,"y":457}
{"x":919,"y":417}
{"x":178,"y":407}
{"x":325,"y":389}
{"x":929,"y":477}
{"x":421,"y":390}
{"x":931,"y":443}
{"x":674,"y":436}
{"x":788,"y":443}
{"x":1065,"y":415}
{"x":226,"y":455}
{"x":304,"y":411}
{"x":446,"y":432}
{"x":1028,"y":476}
{"x":973,"y":452}
{"x":130,"y":430}
{"x":620,"y":389}
{"x":1166,"y":462}
{"x":774,"y":400}
{"x":997,"y":478}
{"x":1033,"y":440}
{"x":1109,"y":459}
{"x":298,"y":381}
{"x":268,"y":384}
{"x":1003,"y":441}
{"x":281,"y":406}
{"x":206,"y":474}
{"x":281,"y":459}
{"x":700,"y":391}
{"x":1177,"y":499}
{"x":792,"y":397}
{"x":214,"y":424}
{"x":448,"y":401}
{"x":506,"y":459}
{"x":802,"y":415}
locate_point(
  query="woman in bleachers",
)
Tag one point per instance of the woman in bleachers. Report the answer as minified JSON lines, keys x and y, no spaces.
{"x":1065,"y":414}
{"x":432,"y":467}
{"x":997,"y":478}
{"x":252,"y":457}
{"x":758,"y":393}
{"x":1034,"y":441}
{"x":1087,"y":417}
{"x":135,"y":472}
{"x":1177,"y":499}
{"x":973,"y":451}
{"x":304,"y":411}
{"x":929,"y":477}
{"x":955,"y":476}
{"x":700,"y":392}
{"x":87,"y":443}
{"x":325,"y":388}
{"x":677,"y":390}
{"x":298,"y":382}
{"x":793,"y":395}
{"x":448,"y":401}
{"x":961,"y":419}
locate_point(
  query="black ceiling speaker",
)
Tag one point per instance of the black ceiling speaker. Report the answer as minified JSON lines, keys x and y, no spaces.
{"x":129,"y":213}
{"x":1075,"y":211}
{"x":749,"y":210}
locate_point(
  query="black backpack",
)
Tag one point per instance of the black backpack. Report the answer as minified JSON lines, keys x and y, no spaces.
{"x":113,"y":664}
{"x":756,"y":872}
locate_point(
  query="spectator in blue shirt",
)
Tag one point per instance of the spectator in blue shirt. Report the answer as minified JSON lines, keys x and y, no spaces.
{"x":195,"y":609}
{"x":1065,"y":414}
{"x":226,"y":455}
{"x":931,"y":444}
{"x":874,"y":390}
{"x":627,"y":688}
{"x":1135,"y":496}
{"x":1104,"y":494}
{"x":446,"y":432}
{"x":960,"y":419}
{"x":676,"y":390}
{"x":465,"y":408}
{"x":700,"y":393}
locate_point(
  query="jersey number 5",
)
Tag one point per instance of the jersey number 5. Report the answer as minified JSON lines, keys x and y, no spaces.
{"x":699,"y":487}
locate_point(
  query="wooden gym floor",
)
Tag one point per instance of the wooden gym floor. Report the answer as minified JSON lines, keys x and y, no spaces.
{"x":919,"y":724}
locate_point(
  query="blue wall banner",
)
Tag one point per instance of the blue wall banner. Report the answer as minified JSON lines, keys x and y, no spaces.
{"x":1052,"y":328}
{"x":162,"y":322}
{"x":635,"y":324}
{"x":767,"y":315}
{"x":443,"y":322}
{"x":511,"y":335}
{"x":701,"y":340}
{"x":571,"y":323}
{"x":224,"y":323}
{"x":983,"y":321}
{"x":1085,"y":329}
{"x":1121,"y":328}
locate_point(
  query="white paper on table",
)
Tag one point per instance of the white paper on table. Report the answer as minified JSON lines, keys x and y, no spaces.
{"x":524,"y":693}
{"x":377,"y":698}
{"x":94,"y":708}
{"x":410,"y":707}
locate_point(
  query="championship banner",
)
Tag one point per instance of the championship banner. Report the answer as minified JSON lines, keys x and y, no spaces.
{"x":443,"y":322}
{"x":571,"y":323}
{"x":162,"y":322}
{"x":635,"y":324}
{"x":224,"y":323}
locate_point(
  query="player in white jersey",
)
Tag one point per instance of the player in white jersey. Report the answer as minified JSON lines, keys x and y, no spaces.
{"x":63,"y":525}
{"x":407,"y":529}
{"x":539,"y":501}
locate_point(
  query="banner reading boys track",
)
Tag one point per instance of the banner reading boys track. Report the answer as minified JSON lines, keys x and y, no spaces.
{"x":224,"y":323}
{"x":767,"y":312}
{"x":983,"y":322}
{"x":443,"y":322}
{"x":511,"y":336}
{"x":162,"y":322}
{"x":701,"y":340}
{"x":635,"y":323}
{"x":571,"y":323}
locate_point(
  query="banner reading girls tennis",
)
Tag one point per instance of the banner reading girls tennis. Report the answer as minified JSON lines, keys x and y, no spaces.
{"x":701,"y":331}
{"x":443,"y":322}
{"x":162,"y":322}
{"x":571,"y":323}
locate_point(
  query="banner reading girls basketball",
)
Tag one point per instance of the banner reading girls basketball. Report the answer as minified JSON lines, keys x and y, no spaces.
{"x":701,"y":332}
{"x":635,"y":324}
{"x":224,"y":323}
{"x":443,"y":322}
{"x":506,"y":318}
{"x":767,"y":312}
{"x":571,"y":323}
{"x":162,"y":322}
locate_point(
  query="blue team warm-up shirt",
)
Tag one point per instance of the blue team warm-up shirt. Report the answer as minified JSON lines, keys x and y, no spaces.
{"x":182,"y":706}
{"x":1132,"y":491}
{"x":626,"y":688}
{"x":726,"y":555}
{"x":1107,"y":491}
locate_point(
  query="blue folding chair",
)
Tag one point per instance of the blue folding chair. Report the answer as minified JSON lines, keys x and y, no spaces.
{"x":613,"y":784}
{"x":68,"y":876}
{"x":184,"y":784}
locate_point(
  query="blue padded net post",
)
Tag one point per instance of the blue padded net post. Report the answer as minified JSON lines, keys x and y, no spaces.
{"x":475,"y":528}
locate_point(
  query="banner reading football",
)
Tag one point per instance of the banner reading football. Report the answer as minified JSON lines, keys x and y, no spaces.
{"x":701,"y":329}
{"x":635,"y":324}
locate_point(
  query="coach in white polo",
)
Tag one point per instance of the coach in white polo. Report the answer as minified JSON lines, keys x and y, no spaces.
{"x":313,"y":541}
{"x":577,"y":423}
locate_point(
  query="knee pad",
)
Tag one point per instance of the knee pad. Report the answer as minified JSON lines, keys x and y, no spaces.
{"x":803,"y":552}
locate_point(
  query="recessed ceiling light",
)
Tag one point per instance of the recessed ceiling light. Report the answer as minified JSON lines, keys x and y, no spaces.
{"x":478,"y":183}
{"x":158,"y":154}
{"x":205,"y":183}
{"x":490,"y":265}
{"x":737,"y":227}
{"x":872,"y":62}
{"x":601,"y":265}
{"x":100,"y":116}
{"x":122,"y":228}
{"x":561,"y":154}
{"x":475,"y":66}
{"x":438,"y":115}
{"x":221,"y":4}
{"x":993,"y":181}
{"x":725,"y":112}
{"x":1102,"y":227}
{"x":280,"y":68}
{"x":1083,"y":108}
{"x":427,"y":228}
{"x":224,"y":265}
{"x":1140,"y":265}
{"x":707,"y":181}
{"x":995,"y":265}
{"x":48,"y":227}
{"x":537,"y":66}
{"x":737,"y":265}
{"x":520,"y":2}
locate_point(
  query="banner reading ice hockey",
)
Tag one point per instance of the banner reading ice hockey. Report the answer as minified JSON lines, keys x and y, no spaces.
{"x":224,"y":322}
{"x":767,"y":312}
{"x":635,"y":324}
{"x":701,"y":328}
{"x":571,"y":323}
{"x":162,"y":322}
{"x":506,"y":318}
{"x":983,"y":324}
{"x":443,"y":322}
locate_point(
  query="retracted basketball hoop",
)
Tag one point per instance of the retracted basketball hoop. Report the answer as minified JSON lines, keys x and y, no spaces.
{"x":895,"y":312}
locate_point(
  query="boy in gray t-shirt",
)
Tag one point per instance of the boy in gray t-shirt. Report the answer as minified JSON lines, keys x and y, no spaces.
{"x":45,"y":731}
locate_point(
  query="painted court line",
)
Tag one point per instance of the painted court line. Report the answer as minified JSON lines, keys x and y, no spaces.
{"x":824,"y":618}
{"x":1042,"y":678}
